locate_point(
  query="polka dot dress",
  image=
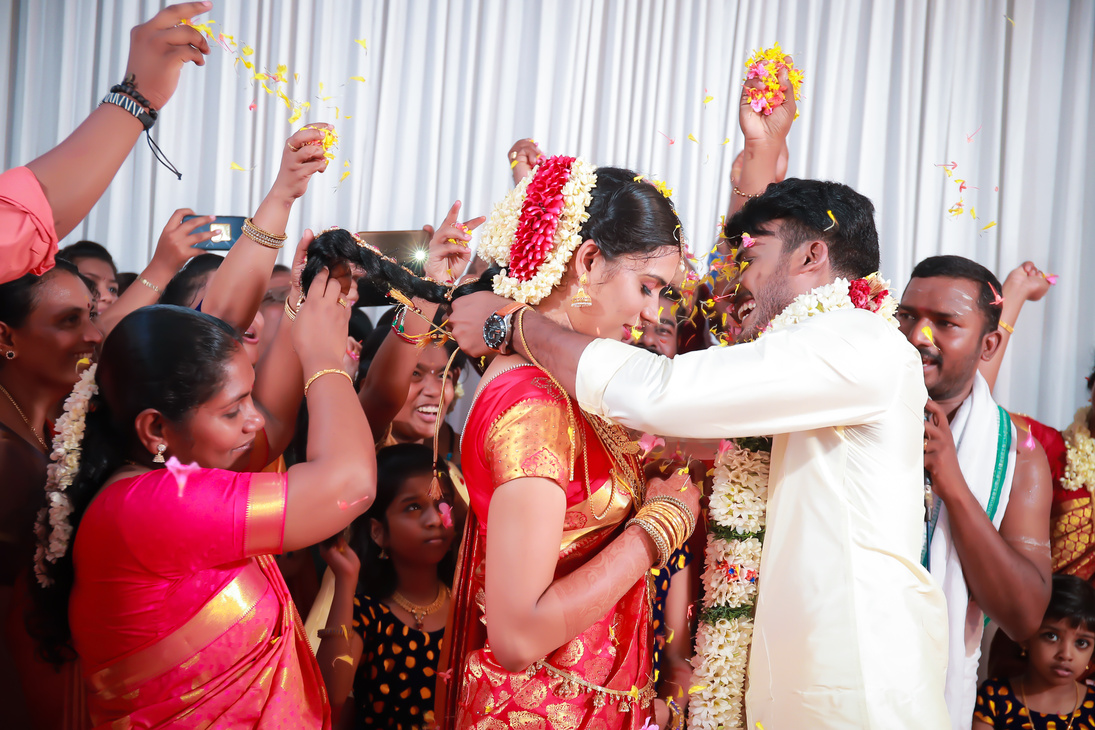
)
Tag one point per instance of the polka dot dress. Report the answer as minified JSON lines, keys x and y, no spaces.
{"x":395,"y":681}
{"x":999,"y":706}
{"x":662,"y":577}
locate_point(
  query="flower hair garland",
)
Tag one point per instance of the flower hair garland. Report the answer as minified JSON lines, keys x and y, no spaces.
{"x":52,"y":528}
{"x":737,"y":507}
{"x":1079,"y":454}
{"x":533,"y":232}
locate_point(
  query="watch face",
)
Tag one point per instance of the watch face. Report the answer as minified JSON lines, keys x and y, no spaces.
{"x":494,"y":331}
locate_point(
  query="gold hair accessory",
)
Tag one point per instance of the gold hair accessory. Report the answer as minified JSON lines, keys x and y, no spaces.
{"x":1010,"y":329}
{"x":580,"y":298}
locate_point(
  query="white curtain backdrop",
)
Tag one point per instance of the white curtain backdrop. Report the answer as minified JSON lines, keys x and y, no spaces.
{"x":893,"y":90}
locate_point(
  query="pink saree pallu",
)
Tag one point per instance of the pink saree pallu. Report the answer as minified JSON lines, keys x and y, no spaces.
{"x":241,"y":661}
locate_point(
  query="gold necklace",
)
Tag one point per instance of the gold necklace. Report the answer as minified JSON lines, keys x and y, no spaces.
{"x":25,"y":420}
{"x":1030,"y":713}
{"x":421,"y":612}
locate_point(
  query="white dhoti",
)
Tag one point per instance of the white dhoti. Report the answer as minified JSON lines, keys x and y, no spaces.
{"x":850,"y":628}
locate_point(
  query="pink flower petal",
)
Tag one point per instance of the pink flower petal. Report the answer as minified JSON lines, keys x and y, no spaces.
{"x":446,"y":514}
{"x":181,"y":472}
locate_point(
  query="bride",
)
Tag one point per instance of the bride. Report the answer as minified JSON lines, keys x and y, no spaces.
{"x":551,"y":617}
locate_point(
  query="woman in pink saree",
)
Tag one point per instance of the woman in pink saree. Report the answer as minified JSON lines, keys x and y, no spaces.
{"x":168,"y":593}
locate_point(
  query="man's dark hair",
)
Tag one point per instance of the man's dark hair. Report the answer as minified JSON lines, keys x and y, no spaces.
{"x":804,"y":206}
{"x":86,"y":250}
{"x":958,"y":267}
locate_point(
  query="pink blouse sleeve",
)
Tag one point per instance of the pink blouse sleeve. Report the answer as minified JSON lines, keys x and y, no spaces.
{"x":28,"y":240}
{"x":217,"y":517}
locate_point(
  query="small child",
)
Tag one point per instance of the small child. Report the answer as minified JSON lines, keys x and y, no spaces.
{"x":1050,"y":692}
{"x":385,"y":642}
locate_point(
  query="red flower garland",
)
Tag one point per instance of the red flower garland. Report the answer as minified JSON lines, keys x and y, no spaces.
{"x":535,"y":237}
{"x":864,"y":296}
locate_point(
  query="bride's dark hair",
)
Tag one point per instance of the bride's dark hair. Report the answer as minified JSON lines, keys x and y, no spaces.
{"x":627,"y":216}
{"x":163,"y":357}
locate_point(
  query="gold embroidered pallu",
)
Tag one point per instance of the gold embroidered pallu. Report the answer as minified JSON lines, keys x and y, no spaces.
{"x":518,"y":427}
{"x":241,"y":661}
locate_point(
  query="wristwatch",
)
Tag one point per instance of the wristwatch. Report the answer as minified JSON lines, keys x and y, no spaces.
{"x":497,"y":328}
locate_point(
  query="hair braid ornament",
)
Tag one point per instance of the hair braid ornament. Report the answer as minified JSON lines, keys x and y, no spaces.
{"x":53,"y":529}
{"x":533,"y":232}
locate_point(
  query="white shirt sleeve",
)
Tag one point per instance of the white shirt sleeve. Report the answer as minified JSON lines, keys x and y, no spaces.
{"x":836,"y":369}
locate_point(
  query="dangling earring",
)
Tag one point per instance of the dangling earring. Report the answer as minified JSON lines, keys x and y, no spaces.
{"x":580,"y":298}
{"x":383,"y":554}
{"x":158,"y":458}
{"x":10,"y":354}
{"x":1022,"y":653}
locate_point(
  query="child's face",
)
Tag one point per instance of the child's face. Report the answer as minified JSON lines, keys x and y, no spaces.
{"x":1060,"y":653}
{"x":418,"y":417}
{"x":416,"y":531}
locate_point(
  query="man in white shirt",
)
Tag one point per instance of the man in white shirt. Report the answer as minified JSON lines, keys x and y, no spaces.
{"x":987,"y":539}
{"x":850,"y":629}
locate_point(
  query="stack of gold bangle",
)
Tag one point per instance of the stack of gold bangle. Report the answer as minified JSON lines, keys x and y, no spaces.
{"x":261,"y":237}
{"x":668,"y":521}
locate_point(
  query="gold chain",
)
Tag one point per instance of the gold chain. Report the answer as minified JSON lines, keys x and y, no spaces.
{"x":1030,"y":712}
{"x":25,"y":419}
{"x":612,"y":438}
{"x":421,"y":612}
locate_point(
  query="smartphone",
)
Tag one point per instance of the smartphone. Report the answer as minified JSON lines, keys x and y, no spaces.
{"x":227,"y":229}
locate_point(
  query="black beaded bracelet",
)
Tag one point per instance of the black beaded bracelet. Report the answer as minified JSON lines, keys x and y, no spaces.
{"x":129,"y":87}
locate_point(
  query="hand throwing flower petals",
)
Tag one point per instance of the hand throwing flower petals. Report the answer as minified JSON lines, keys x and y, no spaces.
{"x":766,"y":65}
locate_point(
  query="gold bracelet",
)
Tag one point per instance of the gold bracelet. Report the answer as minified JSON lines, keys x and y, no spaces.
{"x":671,"y":524}
{"x":659,"y":539}
{"x":261,"y":237}
{"x":738,"y":191}
{"x":149,"y":284}
{"x":685,"y":512}
{"x":328,"y":371}
{"x":1008,"y":327}
{"x":289,"y":311}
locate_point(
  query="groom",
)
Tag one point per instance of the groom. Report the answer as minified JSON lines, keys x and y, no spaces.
{"x":850,"y":629}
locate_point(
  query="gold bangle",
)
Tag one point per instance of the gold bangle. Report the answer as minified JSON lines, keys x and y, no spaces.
{"x":1008,"y":327}
{"x":289,"y":311}
{"x":149,"y":284}
{"x":738,"y":191}
{"x":261,"y":237}
{"x":685,"y":512}
{"x":670,"y":522}
{"x":328,"y":371}
{"x":660,"y":542}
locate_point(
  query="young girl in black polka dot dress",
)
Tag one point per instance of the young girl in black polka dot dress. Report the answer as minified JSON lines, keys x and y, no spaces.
{"x":1051,"y":693}
{"x":385,"y":641}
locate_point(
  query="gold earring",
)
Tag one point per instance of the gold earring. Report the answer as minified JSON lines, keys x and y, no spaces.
{"x":580,"y":298}
{"x":383,"y":554}
{"x":158,"y":458}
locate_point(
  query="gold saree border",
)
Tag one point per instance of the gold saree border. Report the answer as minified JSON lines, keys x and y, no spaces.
{"x":218,"y":615}
{"x":264,"y":526}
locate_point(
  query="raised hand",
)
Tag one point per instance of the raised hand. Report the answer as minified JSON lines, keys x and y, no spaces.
{"x":319,"y":331}
{"x":1026,"y":282}
{"x":177,"y":240}
{"x":302,"y":157}
{"x":449,"y":252}
{"x":769,"y":129}
{"x":523,"y":156}
{"x":159,"y":48}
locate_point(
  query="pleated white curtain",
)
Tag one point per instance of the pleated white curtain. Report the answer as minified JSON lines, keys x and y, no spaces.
{"x":893,"y":90}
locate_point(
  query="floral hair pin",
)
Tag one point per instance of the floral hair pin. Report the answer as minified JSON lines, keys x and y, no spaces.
{"x":766,"y":65}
